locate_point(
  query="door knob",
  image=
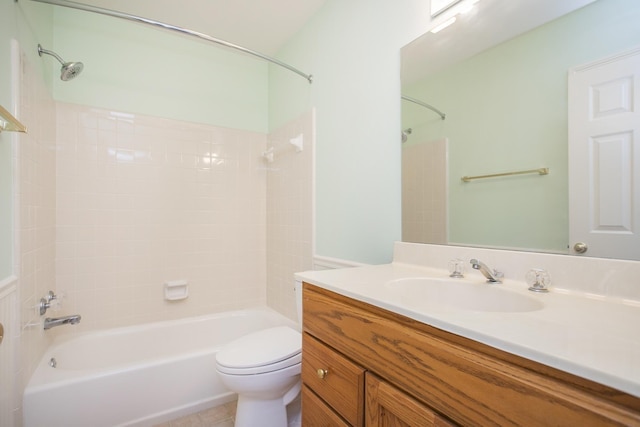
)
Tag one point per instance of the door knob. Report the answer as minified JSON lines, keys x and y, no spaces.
{"x":580,"y":247}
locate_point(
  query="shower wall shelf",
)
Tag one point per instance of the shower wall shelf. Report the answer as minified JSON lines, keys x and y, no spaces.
{"x":297,"y":142}
{"x":539,"y":171}
{"x":10,"y":123}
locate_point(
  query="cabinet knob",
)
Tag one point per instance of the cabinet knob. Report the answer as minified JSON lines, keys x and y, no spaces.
{"x":322,"y":373}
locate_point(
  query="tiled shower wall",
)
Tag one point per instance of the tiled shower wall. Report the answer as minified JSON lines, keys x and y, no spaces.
{"x":144,"y":200}
{"x":289,"y":210}
{"x":424,"y":192}
{"x":35,"y":219}
{"x":109,"y":206}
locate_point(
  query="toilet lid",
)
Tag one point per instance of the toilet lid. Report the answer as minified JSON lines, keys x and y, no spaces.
{"x":265,"y":347}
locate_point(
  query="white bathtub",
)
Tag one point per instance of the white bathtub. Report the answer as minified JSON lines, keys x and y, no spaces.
{"x":137,"y":376}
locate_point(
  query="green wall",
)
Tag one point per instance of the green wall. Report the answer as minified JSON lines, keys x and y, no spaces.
{"x":507,"y":110}
{"x":140,"y":69}
{"x":353,"y":50}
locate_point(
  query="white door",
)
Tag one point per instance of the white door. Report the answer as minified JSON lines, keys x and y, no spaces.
{"x":604,"y":157}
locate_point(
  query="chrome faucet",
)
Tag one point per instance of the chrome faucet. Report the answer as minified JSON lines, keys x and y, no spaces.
{"x":493,"y":276}
{"x":57,"y":321}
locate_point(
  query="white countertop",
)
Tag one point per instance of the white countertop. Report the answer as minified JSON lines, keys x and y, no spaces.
{"x":595,"y":338}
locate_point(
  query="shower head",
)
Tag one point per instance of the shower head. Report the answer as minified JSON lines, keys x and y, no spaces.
{"x":405,"y":134}
{"x":69,"y":70}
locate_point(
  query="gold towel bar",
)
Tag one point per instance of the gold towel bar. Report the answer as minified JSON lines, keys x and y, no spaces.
{"x":540,"y":171}
{"x":10,"y":123}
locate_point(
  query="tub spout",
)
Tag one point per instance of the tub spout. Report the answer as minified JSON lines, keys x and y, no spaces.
{"x":57,"y":321}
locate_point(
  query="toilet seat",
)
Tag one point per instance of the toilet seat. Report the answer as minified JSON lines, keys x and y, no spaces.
{"x":261,"y":352}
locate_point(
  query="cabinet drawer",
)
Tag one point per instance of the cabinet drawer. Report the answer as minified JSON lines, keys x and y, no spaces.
{"x":315,"y":413}
{"x":342,"y":387}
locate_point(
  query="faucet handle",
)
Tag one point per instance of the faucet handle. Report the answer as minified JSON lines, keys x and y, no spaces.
{"x":538,"y":280}
{"x":45,"y":302}
{"x":456,"y":268}
{"x":50,"y":301}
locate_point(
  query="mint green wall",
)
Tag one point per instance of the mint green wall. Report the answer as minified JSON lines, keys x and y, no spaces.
{"x":507,"y":110}
{"x":140,"y":69}
{"x":353,"y":50}
{"x":26,"y":24}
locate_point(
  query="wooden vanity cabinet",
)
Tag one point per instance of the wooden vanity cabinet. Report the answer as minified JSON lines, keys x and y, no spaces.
{"x":401,"y":372}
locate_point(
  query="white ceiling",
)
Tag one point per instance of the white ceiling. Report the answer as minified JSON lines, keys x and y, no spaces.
{"x":491,"y":22}
{"x":261,"y":25}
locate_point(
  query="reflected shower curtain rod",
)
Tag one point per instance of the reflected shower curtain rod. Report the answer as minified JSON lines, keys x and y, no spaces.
{"x":129,"y":17}
{"x":425,"y":105}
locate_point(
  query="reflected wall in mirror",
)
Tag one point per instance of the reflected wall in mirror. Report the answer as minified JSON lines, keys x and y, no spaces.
{"x":500,"y":75}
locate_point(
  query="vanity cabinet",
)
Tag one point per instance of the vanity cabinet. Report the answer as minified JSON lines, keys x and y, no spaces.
{"x":385,"y":369}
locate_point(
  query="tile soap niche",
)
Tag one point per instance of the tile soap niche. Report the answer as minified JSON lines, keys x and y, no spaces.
{"x":176,"y":290}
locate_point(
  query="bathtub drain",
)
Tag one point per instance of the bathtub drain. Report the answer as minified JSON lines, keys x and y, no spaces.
{"x":53,"y":362}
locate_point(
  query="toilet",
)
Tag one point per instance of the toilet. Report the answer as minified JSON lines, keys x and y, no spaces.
{"x":263,"y":368}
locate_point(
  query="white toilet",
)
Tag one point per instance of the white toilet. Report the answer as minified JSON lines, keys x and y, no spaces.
{"x":263,"y":368}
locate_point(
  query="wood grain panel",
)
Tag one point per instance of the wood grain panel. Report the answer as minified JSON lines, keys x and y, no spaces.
{"x":471,"y":383}
{"x":388,"y":406}
{"x":343,"y":386}
{"x":315,"y":413}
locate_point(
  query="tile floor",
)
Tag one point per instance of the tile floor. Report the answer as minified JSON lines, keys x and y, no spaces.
{"x":220,"y":416}
{"x":224,"y":416}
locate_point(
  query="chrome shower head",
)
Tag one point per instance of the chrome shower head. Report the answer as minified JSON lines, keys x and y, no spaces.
{"x":405,"y":134}
{"x":69,"y":70}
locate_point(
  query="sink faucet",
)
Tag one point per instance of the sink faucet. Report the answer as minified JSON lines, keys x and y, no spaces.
{"x":57,"y":321}
{"x":493,"y":276}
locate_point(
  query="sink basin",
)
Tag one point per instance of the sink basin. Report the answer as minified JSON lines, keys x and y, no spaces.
{"x":460,"y":294}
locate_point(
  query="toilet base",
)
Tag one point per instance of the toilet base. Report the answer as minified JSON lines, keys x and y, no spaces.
{"x":252,"y":412}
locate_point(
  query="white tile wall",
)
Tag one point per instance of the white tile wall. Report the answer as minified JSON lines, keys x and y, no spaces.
{"x":35,"y":217}
{"x":144,"y":200}
{"x":424,"y":192}
{"x":289,"y":211}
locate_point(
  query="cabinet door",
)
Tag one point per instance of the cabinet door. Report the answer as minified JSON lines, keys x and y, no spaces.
{"x":387,"y":406}
{"x":315,"y":413}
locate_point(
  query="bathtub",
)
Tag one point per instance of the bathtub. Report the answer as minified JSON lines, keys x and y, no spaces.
{"x":139,"y":375}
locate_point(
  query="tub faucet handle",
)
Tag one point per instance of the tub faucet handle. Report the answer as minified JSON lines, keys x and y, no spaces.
{"x":46,"y":302}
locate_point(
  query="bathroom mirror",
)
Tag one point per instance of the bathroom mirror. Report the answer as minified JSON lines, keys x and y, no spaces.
{"x":499,"y":74}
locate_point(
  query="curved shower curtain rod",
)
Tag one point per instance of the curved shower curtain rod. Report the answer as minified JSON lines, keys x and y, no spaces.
{"x":424,"y":104}
{"x":163,"y":25}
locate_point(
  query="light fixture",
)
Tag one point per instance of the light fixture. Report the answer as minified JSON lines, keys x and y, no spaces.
{"x":467,"y":6}
{"x":444,"y":25}
{"x":448,"y":15}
